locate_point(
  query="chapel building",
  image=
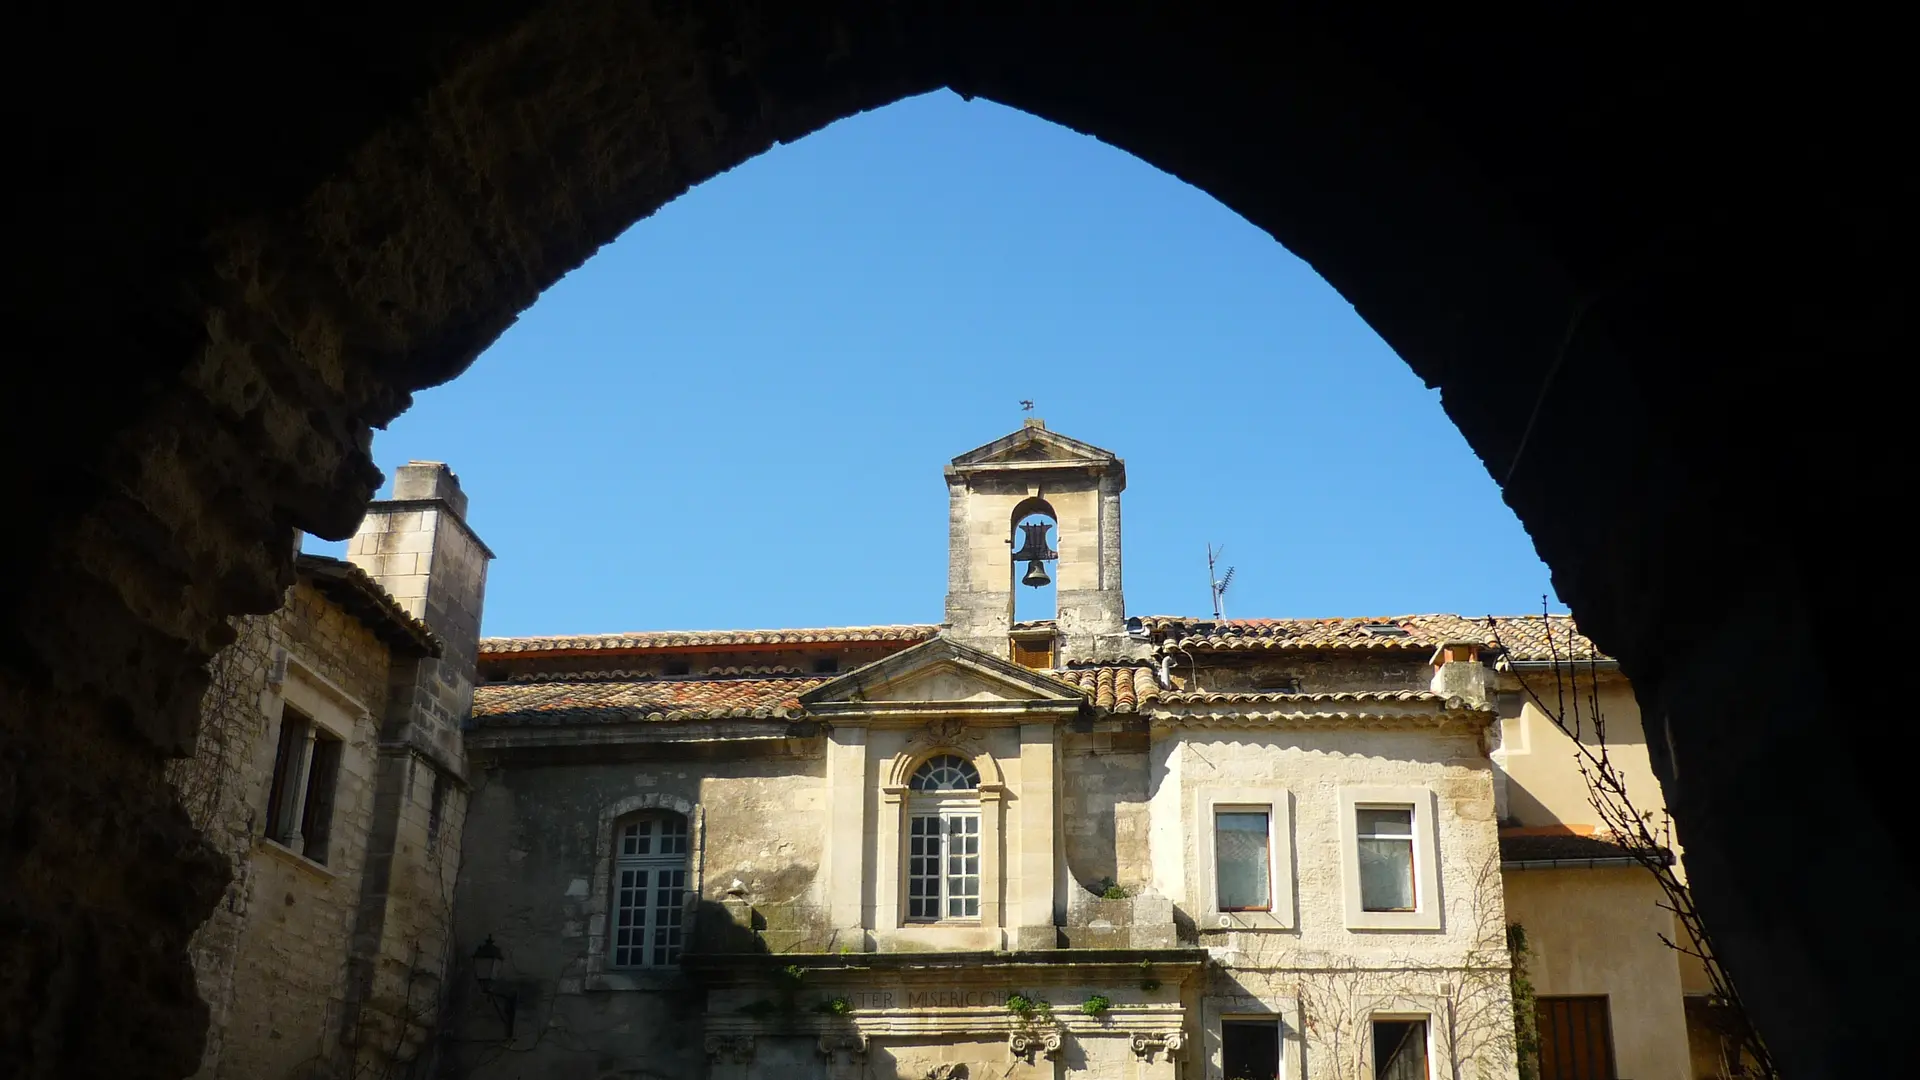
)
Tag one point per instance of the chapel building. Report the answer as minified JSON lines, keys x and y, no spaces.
{"x":1081,"y":846}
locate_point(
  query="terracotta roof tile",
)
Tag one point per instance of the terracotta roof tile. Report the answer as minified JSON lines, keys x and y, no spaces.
{"x":601,"y":701}
{"x":680,"y":639}
{"x":1115,"y":687}
{"x":1526,"y":637}
{"x":365,"y":599}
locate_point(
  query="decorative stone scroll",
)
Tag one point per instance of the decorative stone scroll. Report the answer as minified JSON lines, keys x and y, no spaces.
{"x":1163,"y":1042}
{"x":1025,"y":1044}
{"x":735,"y":1048}
{"x":853,"y":1045}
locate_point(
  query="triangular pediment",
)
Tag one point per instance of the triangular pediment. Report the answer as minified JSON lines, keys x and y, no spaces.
{"x":1035,"y":445}
{"x":941,"y":670}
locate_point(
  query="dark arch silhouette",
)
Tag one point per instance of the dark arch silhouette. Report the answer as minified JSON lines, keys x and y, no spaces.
{"x":1640,"y":259}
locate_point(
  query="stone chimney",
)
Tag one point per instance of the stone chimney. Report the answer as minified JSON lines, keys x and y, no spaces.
{"x":1458,"y":672}
{"x":418,"y":546}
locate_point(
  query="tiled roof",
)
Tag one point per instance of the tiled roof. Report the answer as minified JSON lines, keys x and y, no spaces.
{"x":682,"y":639}
{"x":1343,"y":697}
{"x":1525,"y":636}
{"x":1117,"y":687}
{"x":598,"y":701}
{"x":366,"y":600}
{"x":1564,"y":847}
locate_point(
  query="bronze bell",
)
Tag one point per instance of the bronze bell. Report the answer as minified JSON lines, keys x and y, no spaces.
{"x":1035,"y":553}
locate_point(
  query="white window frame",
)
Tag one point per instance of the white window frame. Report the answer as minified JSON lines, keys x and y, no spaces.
{"x":649,"y":909}
{"x":1428,"y":908}
{"x":949,"y":810}
{"x":1402,"y":1017}
{"x":1277,"y":803}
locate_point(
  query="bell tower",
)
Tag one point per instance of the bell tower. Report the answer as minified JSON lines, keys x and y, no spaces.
{"x":1034,"y":510}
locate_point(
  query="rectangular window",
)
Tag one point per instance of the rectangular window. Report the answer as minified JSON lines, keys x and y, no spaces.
{"x":1250,"y":1049}
{"x":323,"y":776}
{"x":283,"y":799}
{"x":1399,"y":1049}
{"x":650,"y":892}
{"x":1243,"y":859}
{"x":943,"y":866}
{"x":306,"y":771}
{"x":1576,"y":1038}
{"x":1386,"y":857}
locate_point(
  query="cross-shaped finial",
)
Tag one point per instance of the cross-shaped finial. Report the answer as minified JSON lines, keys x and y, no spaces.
{"x":1026,"y":405}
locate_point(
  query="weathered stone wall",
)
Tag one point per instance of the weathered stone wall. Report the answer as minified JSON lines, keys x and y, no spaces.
{"x":270,"y":270}
{"x":271,"y":959}
{"x":1103,"y":814}
{"x":1309,"y":673}
{"x":535,"y":876}
{"x":1307,"y":964}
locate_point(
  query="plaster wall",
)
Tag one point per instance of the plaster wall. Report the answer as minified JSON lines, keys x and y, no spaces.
{"x":1595,"y":932}
{"x":1542,"y":765}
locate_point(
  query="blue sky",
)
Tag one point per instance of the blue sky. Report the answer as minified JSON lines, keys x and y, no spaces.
{"x":736,"y":414}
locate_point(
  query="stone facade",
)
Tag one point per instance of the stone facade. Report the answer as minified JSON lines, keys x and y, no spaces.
{"x":1083,"y":931}
{"x":324,"y":957}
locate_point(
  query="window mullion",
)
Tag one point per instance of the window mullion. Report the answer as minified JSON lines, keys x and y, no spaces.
{"x":298,"y":806}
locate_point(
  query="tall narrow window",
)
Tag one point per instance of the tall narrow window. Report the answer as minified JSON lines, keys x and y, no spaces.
{"x":289,"y":761}
{"x":943,"y":841}
{"x":323,"y":776}
{"x":1386,"y":857}
{"x":1399,"y":1049}
{"x":650,"y":888}
{"x":1243,"y":859}
{"x":306,"y":770}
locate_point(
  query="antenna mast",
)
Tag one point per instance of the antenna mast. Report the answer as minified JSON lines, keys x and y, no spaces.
{"x":1217,"y":586}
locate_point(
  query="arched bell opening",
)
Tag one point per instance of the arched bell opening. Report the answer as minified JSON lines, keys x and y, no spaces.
{"x":1036,"y":528}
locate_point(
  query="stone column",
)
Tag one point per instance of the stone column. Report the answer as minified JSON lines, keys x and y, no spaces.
{"x":1034,"y":865}
{"x":887,"y":858}
{"x":993,"y":808}
{"x":846,"y":830}
{"x":295,"y":797}
{"x":729,"y":1057}
{"x":1156,"y":1055}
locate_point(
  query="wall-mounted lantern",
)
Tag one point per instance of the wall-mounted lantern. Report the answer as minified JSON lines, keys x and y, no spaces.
{"x":486,"y":967}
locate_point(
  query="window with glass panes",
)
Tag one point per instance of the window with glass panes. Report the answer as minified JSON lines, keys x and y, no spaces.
{"x":650,"y":889}
{"x":1386,"y":857}
{"x":943,"y":840}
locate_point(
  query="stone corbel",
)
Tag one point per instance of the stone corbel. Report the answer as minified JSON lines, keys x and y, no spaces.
{"x":854,"y":1046}
{"x":1164,"y":1042}
{"x":1025,"y":1044}
{"x":738,"y":1048}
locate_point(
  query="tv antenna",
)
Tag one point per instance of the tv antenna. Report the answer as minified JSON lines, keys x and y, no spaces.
{"x":1217,"y":582}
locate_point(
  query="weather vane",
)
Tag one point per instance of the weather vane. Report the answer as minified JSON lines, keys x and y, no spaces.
{"x":1026,"y":404}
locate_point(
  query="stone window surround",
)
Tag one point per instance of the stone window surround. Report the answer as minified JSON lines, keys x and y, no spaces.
{"x":896,"y":803}
{"x":1400,"y":1010}
{"x":1214,"y":1010}
{"x":599,"y":976}
{"x":1278,"y":802}
{"x":1428,"y":908}
{"x":327,"y":707}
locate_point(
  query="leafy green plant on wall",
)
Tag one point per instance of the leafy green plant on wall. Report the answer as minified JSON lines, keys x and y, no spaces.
{"x":1526,"y":1031}
{"x":1096,"y":1004}
{"x":836,"y":1006}
{"x":1109,"y":889}
{"x":1148,"y":981}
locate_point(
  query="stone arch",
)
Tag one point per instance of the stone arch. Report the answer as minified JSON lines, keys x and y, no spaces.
{"x":600,"y":885}
{"x":1582,"y":315}
{"x":900,"y":769}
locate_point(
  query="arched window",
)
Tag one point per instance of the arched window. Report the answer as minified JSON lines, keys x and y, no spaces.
{"x":943,"y":840}
{"x":649,"y":890}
